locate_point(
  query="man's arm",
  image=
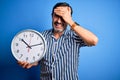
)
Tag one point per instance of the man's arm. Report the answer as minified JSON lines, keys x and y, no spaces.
{"x":88,"y":37}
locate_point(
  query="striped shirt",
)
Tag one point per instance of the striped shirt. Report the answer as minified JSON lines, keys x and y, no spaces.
{"x":61,"y":59}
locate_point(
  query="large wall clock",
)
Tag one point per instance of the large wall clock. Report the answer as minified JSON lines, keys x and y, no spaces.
{"x":28,"y":45}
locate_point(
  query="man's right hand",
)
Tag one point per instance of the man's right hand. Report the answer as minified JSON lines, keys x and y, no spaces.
{"x":26,"y":64}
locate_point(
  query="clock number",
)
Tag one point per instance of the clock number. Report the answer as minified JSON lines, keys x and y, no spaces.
{"x":26,"y":58}
{"x":17,"y":51}
{"x":19,"y":39}
{"x":16,"y":44}
{"x":34,"y":58}
{"x":31,"y":35}
{"x":37,"y":38}
{"x":25,"y":36}
{"x":21,"y":55}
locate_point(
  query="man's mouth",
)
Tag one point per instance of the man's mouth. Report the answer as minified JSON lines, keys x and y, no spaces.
{"x":57,"y":23}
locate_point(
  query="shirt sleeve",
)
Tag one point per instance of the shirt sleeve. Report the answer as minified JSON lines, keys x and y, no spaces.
{"x":78,"y":39}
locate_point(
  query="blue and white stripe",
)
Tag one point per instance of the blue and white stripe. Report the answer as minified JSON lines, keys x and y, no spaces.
{"x":61,"y":59}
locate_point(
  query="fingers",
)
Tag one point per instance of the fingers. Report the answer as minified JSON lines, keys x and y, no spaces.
{"x":65,"y":13}
{"x":24,"y":64}
{"x":29,"y":66}
{"x":62,"y":10}
{"x":35,"y":63}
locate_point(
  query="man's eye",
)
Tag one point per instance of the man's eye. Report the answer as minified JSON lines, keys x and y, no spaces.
{"x":56,"y":15}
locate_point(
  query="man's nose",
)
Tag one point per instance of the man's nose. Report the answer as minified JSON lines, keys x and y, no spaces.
{"x":59,"y":19}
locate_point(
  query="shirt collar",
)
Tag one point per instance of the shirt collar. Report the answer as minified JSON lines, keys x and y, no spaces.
{"x":64,"y":33}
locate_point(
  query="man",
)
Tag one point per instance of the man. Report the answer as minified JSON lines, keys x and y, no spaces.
{"x":61,"y":59}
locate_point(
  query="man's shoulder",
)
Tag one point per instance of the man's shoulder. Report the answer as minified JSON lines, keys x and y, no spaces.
{"x":47,"y":32}
{"x":69,"y":32}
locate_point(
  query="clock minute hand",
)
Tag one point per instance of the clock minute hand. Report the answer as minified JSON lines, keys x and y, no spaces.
{"x":36,"y":45}
{"x":26,"y":43}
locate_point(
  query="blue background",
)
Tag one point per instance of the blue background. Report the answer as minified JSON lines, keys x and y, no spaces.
{"x":102,"y":17}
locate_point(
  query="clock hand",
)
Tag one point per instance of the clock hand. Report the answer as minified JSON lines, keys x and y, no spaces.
{"x":36,"y":45}
{"x":29,"y":44}
{"x":26,"y":43}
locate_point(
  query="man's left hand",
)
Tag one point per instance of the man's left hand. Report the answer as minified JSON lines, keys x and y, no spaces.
{"x":65,"y":13}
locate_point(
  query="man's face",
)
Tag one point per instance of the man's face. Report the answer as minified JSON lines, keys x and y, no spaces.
{"x":58,"y":23}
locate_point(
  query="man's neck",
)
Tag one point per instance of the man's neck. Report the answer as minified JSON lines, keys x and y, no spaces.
{"x":57,"y":35}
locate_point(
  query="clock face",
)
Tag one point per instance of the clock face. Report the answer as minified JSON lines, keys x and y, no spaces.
{"x":28,"y":45}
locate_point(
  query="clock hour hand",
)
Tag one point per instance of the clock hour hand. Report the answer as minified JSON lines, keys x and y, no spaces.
{"x":26,"y":43}
{"x":36,"y":45}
